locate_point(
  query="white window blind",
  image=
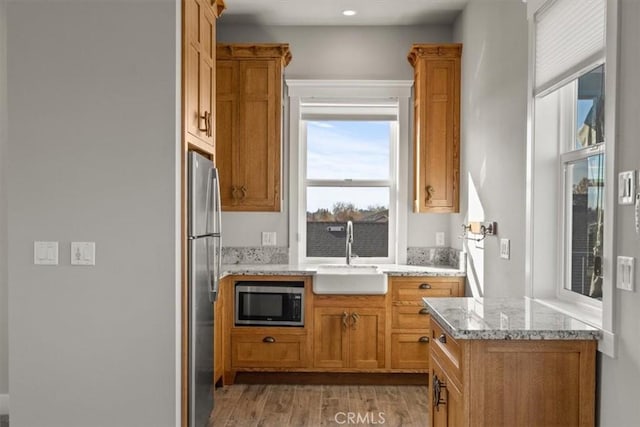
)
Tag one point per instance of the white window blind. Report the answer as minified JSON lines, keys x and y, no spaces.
{"x":570,"y":38}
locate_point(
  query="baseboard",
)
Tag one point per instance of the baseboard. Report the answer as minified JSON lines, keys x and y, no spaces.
{"x":4,"y":404}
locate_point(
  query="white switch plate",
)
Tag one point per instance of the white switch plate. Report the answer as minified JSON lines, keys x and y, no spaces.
{"x":45,"y":253}
{"x":625,"y":273}
{"x":505,"y":248}
{"x":83,"y":253}
{"x":268,"y":238}
{"x":626,"y":187}
{"x":440,"y":238}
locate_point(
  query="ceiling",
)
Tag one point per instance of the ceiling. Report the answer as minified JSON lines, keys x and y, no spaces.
{"x":329,"y":12}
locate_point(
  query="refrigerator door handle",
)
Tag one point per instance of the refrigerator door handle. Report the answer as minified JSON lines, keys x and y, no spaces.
{"x":209,"y":199}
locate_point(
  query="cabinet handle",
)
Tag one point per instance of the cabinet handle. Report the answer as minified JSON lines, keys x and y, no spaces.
{"x":355,"y":317}
{"x":210,"y":126}
{"x":442,"y":338}
{"x":425,"y":286}
{"x":345,"y":324}
{"x":234,"y":193}
{"x":437,"y":392}
{"x":207,"y":123}
{"x":243,"y":190}
{"x":424,"y":311}
{"x":269,"y":340}
{"x":430,"y":190}
{"x":423,"y":339}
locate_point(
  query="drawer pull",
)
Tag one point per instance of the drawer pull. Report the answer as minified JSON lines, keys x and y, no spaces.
{"x":424,"y":311}
{"x":442,"y":338}
{"x":269,"y":340}
{"x":425,"y":286}
{"x":423,"y":339}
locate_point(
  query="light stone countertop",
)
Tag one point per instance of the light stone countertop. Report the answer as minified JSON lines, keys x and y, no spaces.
{"x":506,"y":319}
{"x":310,"y":270}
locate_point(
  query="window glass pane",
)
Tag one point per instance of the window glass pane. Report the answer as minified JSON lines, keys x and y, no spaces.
{"x":587,"y":225}
{"x":328,"y":210}
{"x":590,"y":109}
{"x":348,"y":150}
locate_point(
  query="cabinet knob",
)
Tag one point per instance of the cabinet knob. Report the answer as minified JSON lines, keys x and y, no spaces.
{"x":269,"y":340}
{"x":424,"y":311}
{"x":442,"y":338}
{"x":423,"y":339}
{"x":425,"y":286}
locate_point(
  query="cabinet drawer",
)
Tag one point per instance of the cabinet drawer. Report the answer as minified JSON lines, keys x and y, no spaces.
{"x":410,"y":351}
{"x":409,"y":317}
{"x":446,"y":348}
{"x":414,"y":289}
{"x":266,"y":350}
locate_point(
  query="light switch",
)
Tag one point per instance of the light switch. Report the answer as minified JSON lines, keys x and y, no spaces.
{"x":626,"y":187}
{"x":83,"y":253}
{"x":505,"y":249}
{"x":45,"y":253}
{"x":625,"y":273}
{"x":268,"y":238}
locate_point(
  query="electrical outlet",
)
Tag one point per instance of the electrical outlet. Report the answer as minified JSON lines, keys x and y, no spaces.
{"x":625,"y":273}
{"x":440,"y":238}
{"x":268,"y":238}
{"x":505,"y":248}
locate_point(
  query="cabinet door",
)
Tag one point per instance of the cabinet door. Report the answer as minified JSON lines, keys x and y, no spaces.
{"x":330,"y":337}
{"x":258,"y":145}
{"x":199,"y":74}
{"x":438,"y":154}
{"x":366,"y":338}
{"x":446,"y":399}
{"x":227,"y":128}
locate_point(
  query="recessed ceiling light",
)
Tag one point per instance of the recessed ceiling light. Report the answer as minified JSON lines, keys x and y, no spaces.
{"x":349,"y":12}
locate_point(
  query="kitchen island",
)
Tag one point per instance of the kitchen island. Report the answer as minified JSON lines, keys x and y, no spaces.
{"x":509,"y":361}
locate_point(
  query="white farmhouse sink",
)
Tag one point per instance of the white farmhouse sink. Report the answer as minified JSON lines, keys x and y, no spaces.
{"x":342,"y":279}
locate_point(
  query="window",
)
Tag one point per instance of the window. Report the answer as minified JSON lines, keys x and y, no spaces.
{"x":571,"y":155}
{"x":346,"y":140}
{"x":348,"y":176}
{"x":583,"y":165}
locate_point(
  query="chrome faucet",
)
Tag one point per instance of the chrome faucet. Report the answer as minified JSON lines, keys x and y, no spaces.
{"x":349,"y":241}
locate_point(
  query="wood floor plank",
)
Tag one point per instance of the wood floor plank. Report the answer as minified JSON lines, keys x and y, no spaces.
{"x":224,"y":401}
{"x":416,"y":399}
{"x":306,"y":406}
{"x":278,"y":406}
{"x":249,"y":408}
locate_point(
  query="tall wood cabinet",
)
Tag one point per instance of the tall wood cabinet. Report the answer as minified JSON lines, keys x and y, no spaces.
{"x":249,"y":124}
{"x":436,"y":127}
{"x":198,"y":64}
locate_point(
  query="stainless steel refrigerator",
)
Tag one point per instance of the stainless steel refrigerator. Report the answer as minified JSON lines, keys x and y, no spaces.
{"x":205,"y":247}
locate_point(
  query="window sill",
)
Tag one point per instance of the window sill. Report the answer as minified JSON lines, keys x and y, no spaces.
{"x":589,"y":315}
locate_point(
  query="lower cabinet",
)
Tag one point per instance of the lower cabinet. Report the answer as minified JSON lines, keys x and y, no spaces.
{"x":349,"y":337}
{"x":485,"y":383}
{"x":409,"y":351}
{"x":268,"y":349}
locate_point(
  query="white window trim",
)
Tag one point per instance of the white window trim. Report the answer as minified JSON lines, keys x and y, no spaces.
{"x":300,"y":90}
{"x":601,"y":318}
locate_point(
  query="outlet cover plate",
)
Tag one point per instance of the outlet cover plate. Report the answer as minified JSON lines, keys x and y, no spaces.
{"x":626,"y":187}
{"x":505,"y":248}
{"x":268,"y":238}
{"x":625,"y":273}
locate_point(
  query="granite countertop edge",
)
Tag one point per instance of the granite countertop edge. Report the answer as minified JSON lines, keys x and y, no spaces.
{"x":302,"y":270}
{"x":504,"y":334}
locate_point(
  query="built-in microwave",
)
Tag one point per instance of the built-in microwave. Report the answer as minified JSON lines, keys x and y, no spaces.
{"x":269,"y":303}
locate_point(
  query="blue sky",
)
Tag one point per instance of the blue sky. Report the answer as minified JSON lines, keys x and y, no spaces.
{"x":347,"y":150}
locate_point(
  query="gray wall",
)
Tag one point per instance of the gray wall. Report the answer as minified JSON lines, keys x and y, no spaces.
{"x":357,"y":53}
{"x":92,"y":148}
{"x":4,"y":327}
{"x":493,"y":140}
{"x":620,"y":377}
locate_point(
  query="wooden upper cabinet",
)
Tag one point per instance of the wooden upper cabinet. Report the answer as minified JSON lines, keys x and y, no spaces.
{"x":436,"y":127}
{"x":198,"y":82}
{"x":249,"y":124}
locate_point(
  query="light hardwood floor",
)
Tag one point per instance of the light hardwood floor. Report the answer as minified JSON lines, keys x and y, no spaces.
{"x":319,"y":405}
